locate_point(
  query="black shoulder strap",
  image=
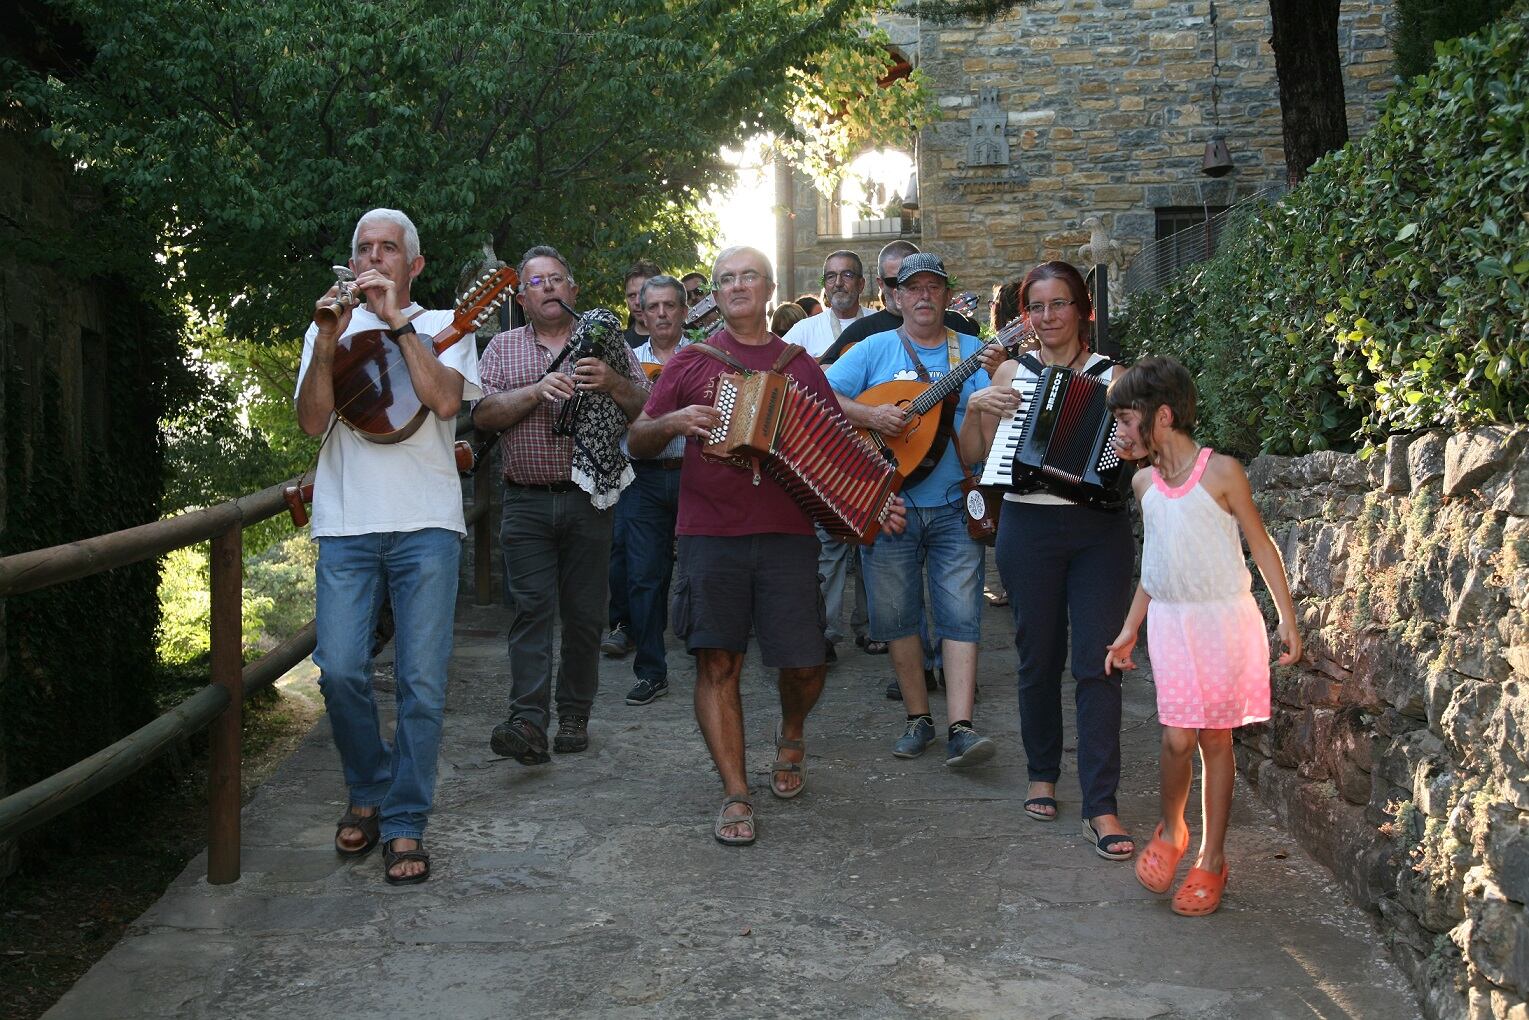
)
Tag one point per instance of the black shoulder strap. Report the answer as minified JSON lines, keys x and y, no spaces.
{"x":721,"y":355}
{"x":1033,"y":363}
{"x":1100,"y":367}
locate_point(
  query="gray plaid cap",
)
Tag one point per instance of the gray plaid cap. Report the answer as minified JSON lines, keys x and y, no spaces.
{"x":921,"y":262}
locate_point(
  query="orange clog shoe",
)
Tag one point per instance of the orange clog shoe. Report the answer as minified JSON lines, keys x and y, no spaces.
{"x":1201,"y":892}
{"x":1158,"y":863}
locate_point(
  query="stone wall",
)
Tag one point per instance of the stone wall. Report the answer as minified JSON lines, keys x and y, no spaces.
{"x":1101,"y":108}
{"x":1397,"y":752}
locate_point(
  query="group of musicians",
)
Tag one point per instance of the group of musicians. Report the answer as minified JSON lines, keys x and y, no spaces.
{"x":388,"y":521}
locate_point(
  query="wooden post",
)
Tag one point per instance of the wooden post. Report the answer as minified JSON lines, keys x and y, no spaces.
{"x":483,"y":534}
{"x":223,"y":778}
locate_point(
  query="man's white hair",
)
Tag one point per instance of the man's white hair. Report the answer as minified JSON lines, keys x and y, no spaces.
{"x":742,"y":249}
{"x":393,"y":216}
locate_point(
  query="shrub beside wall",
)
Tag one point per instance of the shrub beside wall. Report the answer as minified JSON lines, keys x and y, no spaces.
{"x":1390,"y":291}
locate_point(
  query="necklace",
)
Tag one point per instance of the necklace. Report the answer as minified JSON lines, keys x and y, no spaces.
{"x":1082,"y":353}
{"x":1168,"y":478}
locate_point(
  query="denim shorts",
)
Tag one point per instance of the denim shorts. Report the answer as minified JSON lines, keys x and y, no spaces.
{"x":727,"y":585}
{"x":935,"y":543}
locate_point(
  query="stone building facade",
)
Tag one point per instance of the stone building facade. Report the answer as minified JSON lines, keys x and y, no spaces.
{"x":1071,"y":109}
{"x":1396,"y":753}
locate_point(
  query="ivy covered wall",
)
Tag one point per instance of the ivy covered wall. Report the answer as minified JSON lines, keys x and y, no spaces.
{"x":89,"y":361}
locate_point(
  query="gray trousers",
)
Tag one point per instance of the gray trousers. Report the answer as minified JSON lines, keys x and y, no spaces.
{"x":556,"y":556}
{"x":835,"y":562}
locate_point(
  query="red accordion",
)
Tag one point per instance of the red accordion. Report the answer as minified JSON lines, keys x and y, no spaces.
{"x":843,"y":482}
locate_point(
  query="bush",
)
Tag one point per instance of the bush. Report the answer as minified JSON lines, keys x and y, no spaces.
{"x":1387,"y":293}
{"x":278,"y":599}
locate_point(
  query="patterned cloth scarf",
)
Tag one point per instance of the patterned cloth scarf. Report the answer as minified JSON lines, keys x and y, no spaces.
{"x":599,"y":467}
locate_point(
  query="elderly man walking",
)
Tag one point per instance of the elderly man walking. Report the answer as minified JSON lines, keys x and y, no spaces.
{"x":556,"y":536}
{"x":388,"y":521}
{"x":935,"y":542}
{"x":748,"y":557}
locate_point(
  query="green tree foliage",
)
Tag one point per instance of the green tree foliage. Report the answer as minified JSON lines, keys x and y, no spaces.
{"x":1390,"y":291}
{"x":1421,"y":23}
{"x":261,"y":131}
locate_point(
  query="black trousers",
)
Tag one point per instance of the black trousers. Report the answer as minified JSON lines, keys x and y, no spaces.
{"x":1068,"y":567}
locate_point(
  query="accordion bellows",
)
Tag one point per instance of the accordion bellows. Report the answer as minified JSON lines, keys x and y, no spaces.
{"x":834,"y":473}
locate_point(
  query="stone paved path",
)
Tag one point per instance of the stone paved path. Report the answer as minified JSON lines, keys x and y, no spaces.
{"x":591,"y":887}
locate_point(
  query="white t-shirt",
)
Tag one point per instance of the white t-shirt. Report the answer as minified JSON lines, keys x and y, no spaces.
{"x":816,"y":333}
{"x":363,"y":487}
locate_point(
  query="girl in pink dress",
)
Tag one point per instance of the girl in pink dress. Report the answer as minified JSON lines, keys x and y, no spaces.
{"x":1210,"y":651}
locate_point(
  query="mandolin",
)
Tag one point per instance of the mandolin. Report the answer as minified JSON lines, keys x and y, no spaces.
{"x":372,"y":390}
{"x":927,"y":410}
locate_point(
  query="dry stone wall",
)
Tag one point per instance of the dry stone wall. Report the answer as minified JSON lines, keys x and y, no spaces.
{"x":1397,"y":751}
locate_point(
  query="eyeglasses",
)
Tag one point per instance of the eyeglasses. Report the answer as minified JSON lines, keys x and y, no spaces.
{"x":553,"y":280}
{"x":847,"y":275}
{"x":1057,"y":307}
{"x":923,"y":289}
{"x":748,"y":278}
{"x":890,"y":281}
{"x":694,"y":295}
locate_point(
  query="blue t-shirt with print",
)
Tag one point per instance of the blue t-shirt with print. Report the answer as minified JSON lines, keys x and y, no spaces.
{"x":881,"y":358}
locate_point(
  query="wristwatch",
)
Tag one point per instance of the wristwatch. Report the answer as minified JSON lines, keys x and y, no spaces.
{"x":401,"y":331}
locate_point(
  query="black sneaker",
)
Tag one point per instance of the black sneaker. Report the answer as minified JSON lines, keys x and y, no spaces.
{"x":572,"y":734}
{"x":645,"y":692}
{"x":522,"y":740}
{"x":829,"y":655}
{"x":617,"y":642}
{"x":894,"y":692}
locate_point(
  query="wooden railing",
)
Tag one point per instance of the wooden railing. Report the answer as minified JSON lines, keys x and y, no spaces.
{"x":219,"y":705}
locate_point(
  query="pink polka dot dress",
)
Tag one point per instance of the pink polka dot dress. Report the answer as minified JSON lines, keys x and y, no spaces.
{"x":1208,"y":643}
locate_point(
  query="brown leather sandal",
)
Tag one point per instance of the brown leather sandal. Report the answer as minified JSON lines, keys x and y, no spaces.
{"x":370,"y":827}
{"x":391,"y":857}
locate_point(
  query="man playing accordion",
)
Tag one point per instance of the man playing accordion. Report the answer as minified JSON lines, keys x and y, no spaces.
{"x":748,"y":554}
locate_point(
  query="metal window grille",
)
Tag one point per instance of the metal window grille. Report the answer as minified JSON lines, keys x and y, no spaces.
{"x":1185,"y":236}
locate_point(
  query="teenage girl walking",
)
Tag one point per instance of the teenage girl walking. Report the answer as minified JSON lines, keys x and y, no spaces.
{"x":1210,"y":652}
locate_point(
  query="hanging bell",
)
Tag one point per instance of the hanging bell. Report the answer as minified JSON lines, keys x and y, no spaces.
{"x":1218,"y":159}
{"x":910,"y":196}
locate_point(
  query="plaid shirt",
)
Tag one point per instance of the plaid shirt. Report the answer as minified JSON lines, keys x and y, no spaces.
{"x":528,"y":451}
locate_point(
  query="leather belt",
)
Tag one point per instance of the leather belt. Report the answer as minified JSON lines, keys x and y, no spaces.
{"x":546,"y":487}
{"x":665,"y":463}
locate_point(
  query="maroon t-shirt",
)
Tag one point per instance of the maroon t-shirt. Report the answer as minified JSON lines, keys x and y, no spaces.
{"x":717,"y":498}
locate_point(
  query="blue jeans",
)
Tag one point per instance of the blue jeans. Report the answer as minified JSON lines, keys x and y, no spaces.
{"x":418,"y":572}
{"x":652,"y":503}
{"x":894,"y":569}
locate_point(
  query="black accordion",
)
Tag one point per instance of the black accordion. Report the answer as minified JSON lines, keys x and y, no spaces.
{"x":1061,"y":441}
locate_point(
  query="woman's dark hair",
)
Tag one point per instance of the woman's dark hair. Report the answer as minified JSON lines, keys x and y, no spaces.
{"x":1076,"y":286}
{"x":1152,"y":383}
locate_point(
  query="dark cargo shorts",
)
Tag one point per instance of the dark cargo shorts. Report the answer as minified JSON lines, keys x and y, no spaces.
{"x":726,"y":585}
